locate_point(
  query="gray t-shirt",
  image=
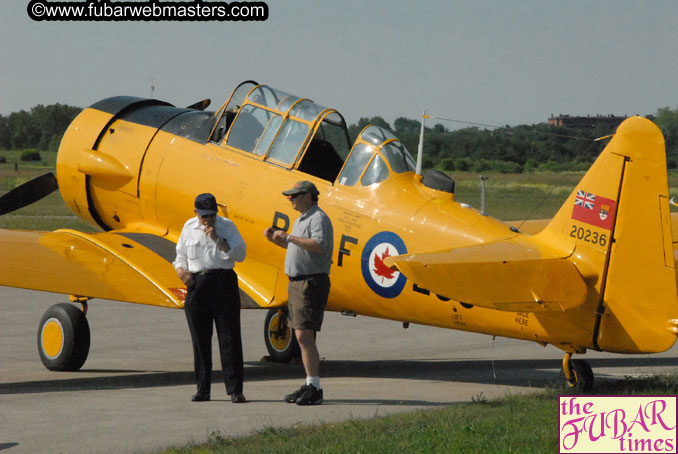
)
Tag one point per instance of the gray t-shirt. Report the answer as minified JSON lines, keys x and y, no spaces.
{"x":313,"y":224}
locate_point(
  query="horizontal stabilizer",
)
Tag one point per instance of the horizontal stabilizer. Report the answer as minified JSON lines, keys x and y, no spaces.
{"x":506,"y":276}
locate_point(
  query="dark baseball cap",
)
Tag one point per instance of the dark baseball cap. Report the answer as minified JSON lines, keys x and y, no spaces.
{"x":205,"y":204}
{"x":302,"y":186}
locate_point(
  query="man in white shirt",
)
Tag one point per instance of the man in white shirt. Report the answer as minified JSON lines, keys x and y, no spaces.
{"x":207,"y":250}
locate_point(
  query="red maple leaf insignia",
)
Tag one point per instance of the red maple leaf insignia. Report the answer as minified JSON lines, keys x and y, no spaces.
{"x":380,"y":267}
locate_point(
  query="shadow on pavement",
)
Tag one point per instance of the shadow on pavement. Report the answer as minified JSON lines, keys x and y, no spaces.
{"x":528,"y":373}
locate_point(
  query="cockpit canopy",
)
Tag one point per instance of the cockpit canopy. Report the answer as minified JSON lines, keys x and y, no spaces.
{"x":294,"y":132}
{"x":374,"y":154}
{"x":286,"y":130}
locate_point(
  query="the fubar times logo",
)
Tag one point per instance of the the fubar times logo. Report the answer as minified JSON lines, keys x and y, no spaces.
{"x":617,"y":424}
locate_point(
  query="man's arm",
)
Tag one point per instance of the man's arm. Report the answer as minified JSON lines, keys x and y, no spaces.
{"x":309,"y":244}
{"x":282,"y":239}
{"x":234,"y":244}
{"x":181,"y":262}
{"x":228,"y":241}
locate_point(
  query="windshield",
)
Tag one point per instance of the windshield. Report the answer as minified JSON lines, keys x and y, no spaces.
{"x":290,"y":140}
{"x":376,"y":172}
{"x":248,"y":126}
{"x":356,"y":164}
{"x":398,"y":157}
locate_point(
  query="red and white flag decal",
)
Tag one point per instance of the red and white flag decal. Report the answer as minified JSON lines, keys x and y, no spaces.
{"x":594,"y":209}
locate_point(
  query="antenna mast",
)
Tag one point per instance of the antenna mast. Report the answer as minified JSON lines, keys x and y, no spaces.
{"x":420,"y":148}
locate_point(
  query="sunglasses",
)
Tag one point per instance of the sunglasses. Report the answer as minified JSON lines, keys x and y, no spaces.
{"x":292,"y":197}
{"x":207,"y":216}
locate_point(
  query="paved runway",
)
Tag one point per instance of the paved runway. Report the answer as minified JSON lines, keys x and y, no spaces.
{"x":133,"y":393}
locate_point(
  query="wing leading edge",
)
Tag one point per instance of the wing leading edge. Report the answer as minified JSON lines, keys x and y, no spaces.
{"x":100,"y":265}
{"x":505,"y":276}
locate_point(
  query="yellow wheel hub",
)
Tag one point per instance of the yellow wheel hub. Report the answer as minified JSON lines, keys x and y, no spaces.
{"x":52,"y":338}
{"x":278,"y":342}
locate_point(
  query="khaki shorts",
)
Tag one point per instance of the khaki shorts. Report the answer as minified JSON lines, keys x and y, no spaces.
{"x":307,"y":301}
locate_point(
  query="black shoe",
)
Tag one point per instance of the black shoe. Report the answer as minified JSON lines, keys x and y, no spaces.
{"x":311,"y":396}
{"x":292,"y":398}
{"x":198,"y":397}
{"x":238,"y":398}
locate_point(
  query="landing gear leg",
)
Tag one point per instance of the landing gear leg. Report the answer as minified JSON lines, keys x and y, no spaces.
{"x":578,"y":374}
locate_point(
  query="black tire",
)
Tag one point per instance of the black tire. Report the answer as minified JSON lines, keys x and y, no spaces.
{"x":63,"y":338}
{"x":281,"y":342}
{"x":583,"y":377}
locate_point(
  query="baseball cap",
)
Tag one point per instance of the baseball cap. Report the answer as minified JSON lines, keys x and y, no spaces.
{"x":302,"y":186}
{"x":205,"y":204}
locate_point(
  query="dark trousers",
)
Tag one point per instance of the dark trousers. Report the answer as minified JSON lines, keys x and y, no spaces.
{"x":214,"y":298}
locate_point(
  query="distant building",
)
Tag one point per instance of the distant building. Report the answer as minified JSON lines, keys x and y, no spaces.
{"x":573,"y":121}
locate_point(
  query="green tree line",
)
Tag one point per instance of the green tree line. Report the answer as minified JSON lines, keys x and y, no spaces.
{"x":40,"y":128}
{"x":515,"y":149}
{"x":509,"y":149}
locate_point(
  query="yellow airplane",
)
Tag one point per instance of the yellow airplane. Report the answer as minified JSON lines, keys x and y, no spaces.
{"x":600,"y":275}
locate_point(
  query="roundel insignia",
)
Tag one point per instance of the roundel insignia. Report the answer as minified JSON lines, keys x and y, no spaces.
{"x":380,"y":278}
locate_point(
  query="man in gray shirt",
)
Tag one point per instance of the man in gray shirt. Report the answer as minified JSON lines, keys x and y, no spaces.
{"x":307,"y":263}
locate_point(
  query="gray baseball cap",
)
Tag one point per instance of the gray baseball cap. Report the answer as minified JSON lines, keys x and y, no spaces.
{"x":302,"y":186}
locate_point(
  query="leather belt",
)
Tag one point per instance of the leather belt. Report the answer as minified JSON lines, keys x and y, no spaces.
{"x":212,"y":271}
{"x":303,"y":277}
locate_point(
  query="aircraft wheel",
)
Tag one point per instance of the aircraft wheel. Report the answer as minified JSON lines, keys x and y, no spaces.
{"x":281,"y":342}
{"x":63,"y":338}
{"x":582,"y":376}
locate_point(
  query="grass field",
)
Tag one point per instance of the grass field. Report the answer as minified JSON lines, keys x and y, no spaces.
{"x":514,"y":424}
{"x":50,"y":213}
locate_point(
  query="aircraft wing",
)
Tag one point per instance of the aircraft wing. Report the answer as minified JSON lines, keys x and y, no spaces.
{"x":121,"y":266}
{"x":261,"y":283}
{"x":103,"y":265}
{"x":506,"y":276}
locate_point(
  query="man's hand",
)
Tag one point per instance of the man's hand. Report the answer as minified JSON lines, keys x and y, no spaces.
{"x":211,"y":232}
{"x":185,"y":276}
{"x":276,"y":236}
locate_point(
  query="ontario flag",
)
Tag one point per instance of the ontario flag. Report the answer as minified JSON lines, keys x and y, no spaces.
{"x":594,"y":209}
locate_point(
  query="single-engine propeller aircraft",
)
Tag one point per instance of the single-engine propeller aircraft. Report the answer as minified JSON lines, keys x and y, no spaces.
{"x":600,"y":275}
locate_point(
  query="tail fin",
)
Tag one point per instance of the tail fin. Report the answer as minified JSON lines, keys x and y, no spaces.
{"x":608,"y":250}
{"x":619,"y":221}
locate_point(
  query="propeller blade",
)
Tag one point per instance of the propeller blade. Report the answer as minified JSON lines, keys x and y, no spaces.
{"x":200,"y":105}
{"x":29,"y":192}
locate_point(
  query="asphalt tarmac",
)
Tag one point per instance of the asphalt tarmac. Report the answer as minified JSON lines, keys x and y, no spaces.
{"x":133,"y":393}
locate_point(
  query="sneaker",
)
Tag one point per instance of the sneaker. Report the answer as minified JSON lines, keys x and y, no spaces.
{"x":311,"y":396}
{"x":292,"y":398}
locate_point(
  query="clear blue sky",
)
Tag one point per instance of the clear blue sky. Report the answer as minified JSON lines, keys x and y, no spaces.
{"x":496,"y":62}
